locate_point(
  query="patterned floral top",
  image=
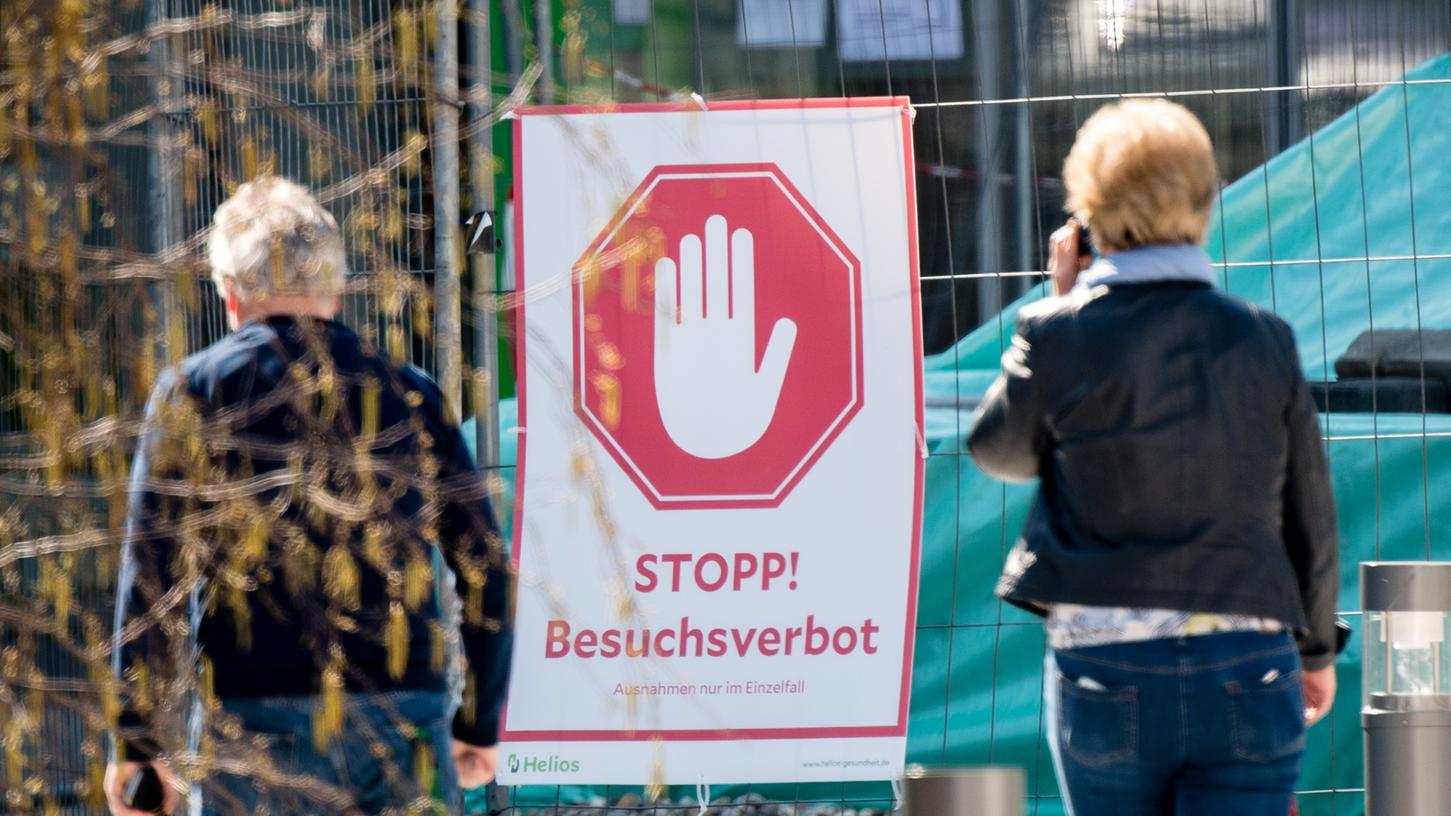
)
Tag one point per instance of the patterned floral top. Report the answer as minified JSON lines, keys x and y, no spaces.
{"x":1071,"y":626}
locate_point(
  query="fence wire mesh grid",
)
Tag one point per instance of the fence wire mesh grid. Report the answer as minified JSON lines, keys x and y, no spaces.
{"x":123,"y":123}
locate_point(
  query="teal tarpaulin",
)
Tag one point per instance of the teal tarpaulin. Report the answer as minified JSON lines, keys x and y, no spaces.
{"x":1357,"y":221}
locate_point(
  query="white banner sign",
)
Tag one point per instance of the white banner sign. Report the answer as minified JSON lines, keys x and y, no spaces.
{"x":720,"y":466}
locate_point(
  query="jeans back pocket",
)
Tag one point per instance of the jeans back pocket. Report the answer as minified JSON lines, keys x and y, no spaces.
{"x":1267,"y":721}
{"x":1097,"y":727}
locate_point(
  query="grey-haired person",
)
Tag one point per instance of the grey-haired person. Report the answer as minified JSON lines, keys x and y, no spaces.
{"x":282,"y":634}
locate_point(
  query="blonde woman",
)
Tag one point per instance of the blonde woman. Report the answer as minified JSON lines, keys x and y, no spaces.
{"x":1182,"y":546}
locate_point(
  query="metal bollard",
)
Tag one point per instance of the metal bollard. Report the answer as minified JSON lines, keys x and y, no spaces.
{"x":1407,"y":708}
{"x":992,"y":791}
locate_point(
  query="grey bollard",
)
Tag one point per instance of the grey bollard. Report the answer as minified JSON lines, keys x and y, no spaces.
{"x":993,"y":791}
{"x":1407,"y":707}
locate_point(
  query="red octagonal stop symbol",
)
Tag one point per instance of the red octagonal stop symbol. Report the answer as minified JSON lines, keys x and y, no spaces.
{"x":717,"y":336}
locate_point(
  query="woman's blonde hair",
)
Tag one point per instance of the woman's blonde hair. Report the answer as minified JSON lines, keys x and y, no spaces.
{"x":1142,"y":172}
{"x":273,"y":238}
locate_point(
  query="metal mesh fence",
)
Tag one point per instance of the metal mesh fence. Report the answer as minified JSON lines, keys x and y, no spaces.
{"x":1000,"y":89}
{"x":122,"y":126}
{"x":123,"y":123}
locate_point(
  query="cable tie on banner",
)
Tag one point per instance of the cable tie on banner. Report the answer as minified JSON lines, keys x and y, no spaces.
{"x":698,"y":100}
{"x":896,"y":795}
{"x":702,"y":793}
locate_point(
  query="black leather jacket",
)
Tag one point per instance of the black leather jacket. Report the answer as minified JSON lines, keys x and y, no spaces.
{"x":1180,"y":459}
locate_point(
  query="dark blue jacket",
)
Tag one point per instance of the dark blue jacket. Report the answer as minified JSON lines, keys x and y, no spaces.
{"x":290,"y":494}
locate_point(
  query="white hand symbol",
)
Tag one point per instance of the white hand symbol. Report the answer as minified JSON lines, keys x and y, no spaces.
{"x":713,"y":400}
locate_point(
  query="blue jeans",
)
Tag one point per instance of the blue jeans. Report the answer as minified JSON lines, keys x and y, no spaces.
{"x":1196,"y":726}
{"x":265,"y":760}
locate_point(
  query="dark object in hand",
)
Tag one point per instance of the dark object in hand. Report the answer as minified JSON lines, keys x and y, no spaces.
{"x":143,"y":791}
{"x":1085,"y":239}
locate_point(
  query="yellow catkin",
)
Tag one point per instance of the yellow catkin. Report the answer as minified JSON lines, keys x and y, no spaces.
{"x":319,"y":517}
{"x":14,"y":755}
{"x":144,"y":699}
{"x":608,"y":386}
{"x":417,"y":581}
{"x":206,"y":114}
{"x":363,"y":466}
{"x":630,"y":285}
{"x":29,"y":162}
{"x":340,"y":577}
{"x":321,"y":79}
{"x":61,"y":597}
{"x":301,"y":576}
{"x":396,"y":641}
{"x":405,"y":43}
{"x":397,"y":346}
{"x":319,"y":162}
{"x":83,"y":204}
{"x":207,"y":684}
{"x":424,"y":767}
{"x":46,"y":578}
{"x":469,"y":711}
{"x":393,"y":224}
{"x":327,"y":720}
{"x":437,"y":647}
{"x":35,"y":700}
{"x":76,"y":121}
{"x":65,"y":251}
{"x":176,"y":339}
{"x":572,"y":54}
{"x":95,"y":785}
{"x":55,"y":470}
{"x":249,"y":159}
{"x":474,"y":604}
{"x":373,"y":550}
{"x":363,"y":79}
{"x":479,"y":390}
{"x":656,"y":789}
{"x":423,"y":315}
{"x":370,"y":409}
{"x":191,"y":171}
{"x":93,"y":411}
{"x":413,"y":148}
{"x":327,"y":394}
{"x":97,"y":85}
{"x":254,"y":543}
{"x":111,"y":698}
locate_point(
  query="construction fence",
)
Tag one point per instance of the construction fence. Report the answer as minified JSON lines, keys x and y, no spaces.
{"x":124,"y":123}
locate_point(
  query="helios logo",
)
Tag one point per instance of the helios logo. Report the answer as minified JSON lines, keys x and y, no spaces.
{"x":536,"y":764}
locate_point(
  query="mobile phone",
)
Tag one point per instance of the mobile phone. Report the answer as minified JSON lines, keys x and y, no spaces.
{"x":1342,"y":634}
{"x":1085,"y":239}
{"x":143,"y":791}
